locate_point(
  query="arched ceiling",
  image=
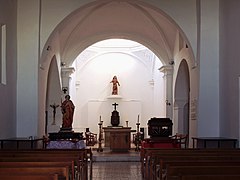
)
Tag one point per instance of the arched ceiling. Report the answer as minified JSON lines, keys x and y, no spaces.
{"x":105,"y":19}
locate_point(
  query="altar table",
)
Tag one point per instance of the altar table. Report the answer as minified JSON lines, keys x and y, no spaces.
{"x":117,"y":138}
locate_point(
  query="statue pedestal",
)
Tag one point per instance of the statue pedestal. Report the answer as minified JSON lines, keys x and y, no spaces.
{"x":114,"y":97}
{"x":70,"y":135}
{"x":66,"y":129}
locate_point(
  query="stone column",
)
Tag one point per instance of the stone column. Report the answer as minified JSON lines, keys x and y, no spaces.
{"x":66,"y":79}
{"x":168,"y":80}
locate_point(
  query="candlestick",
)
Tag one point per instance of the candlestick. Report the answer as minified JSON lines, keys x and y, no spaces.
{"x":100,"y":149}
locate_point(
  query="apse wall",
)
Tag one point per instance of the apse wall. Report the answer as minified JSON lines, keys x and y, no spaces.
{"x":141,"y":91}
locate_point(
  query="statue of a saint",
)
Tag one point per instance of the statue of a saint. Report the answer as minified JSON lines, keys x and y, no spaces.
{"x":115,"y":85}
{"x":67,"y":111}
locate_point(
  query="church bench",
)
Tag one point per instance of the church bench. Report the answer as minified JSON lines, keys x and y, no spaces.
{"x":61,"y":171}
{"x":30,"y":176}
{"x":69,"y":164}
{"x":158,"y":171}
{"x":175,"y":172}
{"x":45,"y":160}
{"x":146,"y":153}
{"x":210,"y":177}
{"x":79,"y":156}
{"x":153,"y":159}
{"x":82,"y":153}
{"x":157,"y":165}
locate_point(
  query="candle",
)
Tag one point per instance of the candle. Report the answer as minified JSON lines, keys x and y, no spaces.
{"x":100,"y":119}
{"x":138,"y":119}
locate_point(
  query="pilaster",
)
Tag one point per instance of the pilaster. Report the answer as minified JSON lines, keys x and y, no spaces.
{"x":66,"y":78}
{"x":168,"y":79}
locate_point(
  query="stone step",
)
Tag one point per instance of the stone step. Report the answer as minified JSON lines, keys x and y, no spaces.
{"x":108,"y":156}
{"x":116,"y":158}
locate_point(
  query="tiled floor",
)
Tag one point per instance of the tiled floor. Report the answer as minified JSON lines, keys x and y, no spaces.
{"x":108,"y":165}
{"x":116,"y":171}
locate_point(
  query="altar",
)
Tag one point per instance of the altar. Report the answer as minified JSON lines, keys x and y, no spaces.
{"x":117,"y":138}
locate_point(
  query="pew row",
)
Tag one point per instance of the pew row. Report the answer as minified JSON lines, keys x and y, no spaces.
{"x":32,"y":177}
{"x":176,"y":172}
{"x":155,"y":161}
{"x":62,"y":172}
{"x":210,"y":177}
{"x":78,"y":158}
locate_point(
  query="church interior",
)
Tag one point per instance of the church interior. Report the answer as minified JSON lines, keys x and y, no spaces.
{"x":115,"y":79}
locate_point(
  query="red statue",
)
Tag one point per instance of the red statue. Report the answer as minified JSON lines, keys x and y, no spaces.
{"x":67,"y":111}
{"x":115,"y":85}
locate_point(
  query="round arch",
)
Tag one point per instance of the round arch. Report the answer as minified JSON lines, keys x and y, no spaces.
{"x":100,"y":20}
{"x":181,"y":101}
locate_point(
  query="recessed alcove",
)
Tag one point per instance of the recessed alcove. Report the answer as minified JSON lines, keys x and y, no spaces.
{"x":135,"y":66}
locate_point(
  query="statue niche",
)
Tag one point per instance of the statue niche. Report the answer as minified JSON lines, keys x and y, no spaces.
{"x":115,"y":118}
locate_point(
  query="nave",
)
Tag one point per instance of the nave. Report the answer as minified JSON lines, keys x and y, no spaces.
{"x":108,"y":165}
{"x":117,"y":171}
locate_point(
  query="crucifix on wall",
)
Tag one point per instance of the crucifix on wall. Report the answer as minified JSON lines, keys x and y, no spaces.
{"x":54,"y":106}
{"x":64,"y":89}
{"x":115,"y":106}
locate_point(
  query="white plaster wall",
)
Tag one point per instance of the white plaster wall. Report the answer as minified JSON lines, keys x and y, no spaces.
{"x":8,"y":16}
{"x":184,"y":14}
{"x":137,"y":95}
{"x":194,"y":83}
{"x":128,"y":111}
{"x":208,"y":122}
{"x":54,"y":97}
{"x":27,"y":90}
{"x":185,"y":17}
{"x":53,"y":12}
{"x":229,"y":68}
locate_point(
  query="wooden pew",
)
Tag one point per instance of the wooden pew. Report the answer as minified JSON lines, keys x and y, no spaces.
{"x":46,"y":160}
{"x":25,"y":177}
{"x":159,"y":171}
{"x":157,"y":167}
{"x":210,"y":177}
{"x":175,"y":172}
{"x":69,"y":164}
{"x":61,"y":171}
{"x":79,"y":156}
{"x":152,"y":161}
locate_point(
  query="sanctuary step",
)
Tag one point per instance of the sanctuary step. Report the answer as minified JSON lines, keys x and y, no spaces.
{"x":108,"y":156}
